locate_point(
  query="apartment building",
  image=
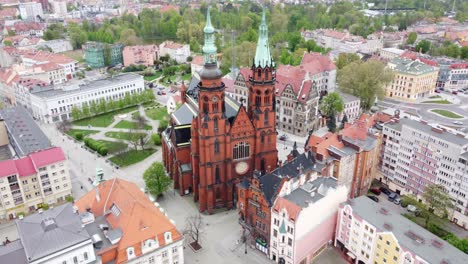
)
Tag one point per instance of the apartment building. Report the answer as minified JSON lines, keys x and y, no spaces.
{"x":30,"y":29}
{"x":99,"y":55}
{"x":352,"y":107}
{"x":31,"y":11}
{"x":52,"y":236}
{"x":176,"y":51}
{"x":127,"y":227}
{"x":415,"y":154}
{"x":368,"y":233}
{"x":54,"y":103}
{"x":303,"y":221}
{"x":413,"y":80}
{"x":32,"y":58}
{"x":57,"y":45}
{"x":27,"y":183}
{"x":140,"y":55}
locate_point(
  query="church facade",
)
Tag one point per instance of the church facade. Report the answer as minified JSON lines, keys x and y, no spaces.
{"x":214,"y":141}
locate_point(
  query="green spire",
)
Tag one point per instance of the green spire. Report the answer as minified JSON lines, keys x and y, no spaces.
{"x":262,"y":55}
{"x":209,"y":48}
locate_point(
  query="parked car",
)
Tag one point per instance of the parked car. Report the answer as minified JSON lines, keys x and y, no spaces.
{"x":454,"y":92}
{"x":375,"y":191}
{"x":283,"y":137}
{"x":413,"y":209}
{"x":385,"y":190}
{"x":373,"y":198}
{"x":392,"y":196}
{"x":437,"y":91}
{"x":458,"y":123}
{"x":397,"y":200}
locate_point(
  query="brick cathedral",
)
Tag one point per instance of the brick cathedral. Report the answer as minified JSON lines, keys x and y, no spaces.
{"x":213,"y":141}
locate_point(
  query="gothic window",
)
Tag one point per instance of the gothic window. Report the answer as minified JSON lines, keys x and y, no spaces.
{"x":266,"y":74}
{"x":266,"y":114}
{"x":262,"y":137}
{"x":259,"y":73}
{"x":216,"y":146}
{"x":215,"y":107}
{"x":215,"y":123}
{"x":217,"y":176}
{"x":241,"y":150}
{"x":205,"y":104}
{"x":257,"y":100}
{"x":262,"y":165}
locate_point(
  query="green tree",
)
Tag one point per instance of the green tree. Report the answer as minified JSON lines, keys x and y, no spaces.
{"x":366,"y":80}
{"x":102,"y":106}
{"x":464,"y":52}
{"x":129,"y":37}
{"x":111,"y":104}
{"x":76,"y":113}
{"x":331,"y":104}
{"x":127,"y":99}
{"x":156,"y":139}
{"x":331,"y":123}
{"x":85,"y":110}
{"x":7,"y":43}
{"x":437,"y":200}
{"x":423,"y":46}
{"x":344,"y":121}
{"x":156,"y":180}
{"x":93,"y":108}
{"x":412,"y":38}
{"x":345,"y":59}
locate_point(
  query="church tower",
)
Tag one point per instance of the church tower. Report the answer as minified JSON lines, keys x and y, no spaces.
{"x":208,"y":131}
{"x":261,"y":108}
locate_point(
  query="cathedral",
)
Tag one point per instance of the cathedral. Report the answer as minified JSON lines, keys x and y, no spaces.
{"x":213,"y":141}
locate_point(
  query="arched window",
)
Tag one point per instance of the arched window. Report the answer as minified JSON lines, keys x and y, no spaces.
{"x":266,"y":114}
{"x":259,"y":73}
{"x":241,"y":150}
{"x":215,"y":107}
{"x":262,"y":137}
{"x":216,"y":146}
{"x":215,"y":123}
{"x":217,"y":175}
{"x":258,"y":100}
{"x":267,"y":73}
{"x":205,"y":105}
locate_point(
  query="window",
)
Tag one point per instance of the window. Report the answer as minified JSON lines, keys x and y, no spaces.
{"x":216,"y":146}
{"x":164,"y":254}
{"x":115,"y":210}
{"x":217,"y":176}
{"x":215,"y":123}
{"x":241,"y":150}
{"x":75,"y":260}
{"x":151,"y":260}
{"x":85,"y":255}
{"x":275,"y":233}
{"x":289,"y":242}
{"x":174,"y":250}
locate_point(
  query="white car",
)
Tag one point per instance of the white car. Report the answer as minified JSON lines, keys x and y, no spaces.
{"x":412,"y":208}
{"x":458,"y":123}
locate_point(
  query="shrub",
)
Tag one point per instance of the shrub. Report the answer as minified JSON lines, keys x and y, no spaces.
{"x":45,"y":206}
{"x":79,"y":136}
{"x":20,"y":214}
{"x":69,"y":199}
{"x":97,"y":146}
{"x":156,"y":139}
{"x":162,"y":125}
{"x":437,"y":230}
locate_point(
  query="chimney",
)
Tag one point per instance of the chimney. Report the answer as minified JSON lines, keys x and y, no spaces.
{"x":98,"y":198}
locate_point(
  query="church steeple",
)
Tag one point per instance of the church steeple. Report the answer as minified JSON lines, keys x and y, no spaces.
{"x":209,"y":48}
{"x":262,"y":54}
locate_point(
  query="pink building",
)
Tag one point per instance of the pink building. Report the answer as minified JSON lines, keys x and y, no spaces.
{"x":303,"y":221}
{"x":140,"y":55}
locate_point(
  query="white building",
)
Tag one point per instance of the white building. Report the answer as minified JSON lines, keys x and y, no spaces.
{"x":31,"y":58}
{"x":176,"y":51}
{"x":57,"y":45}
{"x":391,"y":53}
{"x":30,"y":11}
{"x":352,"y":107}
{"x":59,"y":7}
{"x":303,"y":221}
{"x":54,"y":103}
{"x":53,"y":236}
{"x":415,"y":154}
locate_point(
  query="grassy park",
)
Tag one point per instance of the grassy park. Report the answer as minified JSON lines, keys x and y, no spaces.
{"x":131,"y":125}
{"x":103,"y":120}
{"x":121,"y":135}
{"x":446,"y":113}
{"x":84,"y":132}
{"x":131,"y":157}
{"x":444,"y":101}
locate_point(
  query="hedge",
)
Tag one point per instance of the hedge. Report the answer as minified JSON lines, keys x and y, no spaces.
{"x":97,"y":146}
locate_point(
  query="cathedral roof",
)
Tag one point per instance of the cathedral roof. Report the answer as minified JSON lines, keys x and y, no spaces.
{"x":262,"y":55}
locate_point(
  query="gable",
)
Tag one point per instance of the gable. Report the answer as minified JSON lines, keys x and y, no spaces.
{"x":288,"y":92}
{"x":241,"y":126}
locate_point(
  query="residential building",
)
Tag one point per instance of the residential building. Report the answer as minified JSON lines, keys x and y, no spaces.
{"x":59,"y":7}
{"x":22,"y":88}
{"x":176,"y":51}
{"x":257,"y":196}
{"x":303,"y":221}
{"x":99,"y":55}
{"x":394,"y":39}
{"x":129,"y":227}
{"x":391,"y":53}
{"x":23,"y":135}
{"x":54,"y":102}
{"x":458,"y":76}
{"x":173,"y":102}
{"x":49,"y":72}
{"x":352,"y":107}
{"x":9,"y":13}
{"x":350,"y":156}
{"x":415,"y":154}
{"x":31,"y":11}
{"x":33,"y":58}
{"x":140,"y":55}
{"x":368,"y":233}
{"x":27,"y":183}
{"x":23,"y":42}
{"x":57,"y":45}
{"x":413,"y":80}
{"x":213,"y":141}
{"x":31,"y":29}
{"x":8,"y":56}
{"x":52,"y":236}
{"x":196,"y":65}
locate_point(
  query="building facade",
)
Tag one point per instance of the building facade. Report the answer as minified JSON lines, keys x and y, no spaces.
{"x":352,"y":107}
{"x":213,"y":142}
{"x":415,"y":154}
{"x":140,"y":55}
{"x":57,"y":45}
{"x":31,"y":11}
{"x":28,"y":183}
{"x":413,"y":80}
{"x":176,"y":51}
{"x":368,"y":233}
{"x":303,"y":221}
{"x":99,"y":55}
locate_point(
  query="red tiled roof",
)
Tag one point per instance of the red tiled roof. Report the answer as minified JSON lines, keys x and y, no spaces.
{"x":45,"y":56}
{"x":168,"y":8}
{"x":48,"y":156}
{"x":8,"y":12}
{"x":7,"y":168}
{"x":26,"y":26}
{"x":25,"y":167}
{"x":292,"y":209}
{"x":172,"y":45}
{"x":459,"y":66}
{"x":319,"y":145}
{"x":229,"y":83}
{"x":198,"y":60}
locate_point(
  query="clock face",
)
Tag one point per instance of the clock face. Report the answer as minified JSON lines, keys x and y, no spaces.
{"x":215,"y":99}
{"x":242,"y":167}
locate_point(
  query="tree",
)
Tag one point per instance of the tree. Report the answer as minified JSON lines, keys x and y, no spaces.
{"x":464,"y":52}
{"x":344,"y":121}
{"x":423,"y":46}
{"x":156,"y":180}
{"x":331,"y":123}
{"x":102,"y":106}
{"x":412,"y":38}
{"x":156,"y":139}
{"x":331,"y":104}
{"x":365,"y":80}
{"x":437,"y":200}
{"x":345,"y":59}
{"x":85,"y":110}
{"x":127,"y":100}
{"x":194,"y":229}
{"x":93,"y":108}
{"x":76,"y":113}
{"x":7,"y":43}
{"x":149,"y":71}
{"x":129,"y":38}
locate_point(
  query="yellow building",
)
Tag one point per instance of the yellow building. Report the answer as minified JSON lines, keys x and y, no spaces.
{"x":413,"y":80}
{"x":387,"y":249}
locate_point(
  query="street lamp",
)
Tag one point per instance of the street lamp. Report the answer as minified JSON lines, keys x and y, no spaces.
{"x":246,"y":234}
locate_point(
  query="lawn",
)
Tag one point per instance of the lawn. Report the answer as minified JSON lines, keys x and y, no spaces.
{"x":130,"y":125}
{"x":444,"y":101}
{"x":84,"y":132}
{"x":120,"y":135}
{"x":157,"y":113}
{"x":103,"y":120}
{"x":446,"y":113}
{"x":153,"y":77}
{"x":131,"y":157}
{"x":435,"y":97}
{"x":114,"y":147}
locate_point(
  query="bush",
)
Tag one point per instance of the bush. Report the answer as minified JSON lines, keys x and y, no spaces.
{"x":20,"y":214}
{"x":69,"y":199}
{"x":437,"y":230}
{"x":79,"y":136}
{"x":156,"y":139}
{"x":162,"y":125}
{"x":97,"y":146}
{"x":45,"y":206}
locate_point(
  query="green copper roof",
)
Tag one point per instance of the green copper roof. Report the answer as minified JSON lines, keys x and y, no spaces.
{"x":282,"y":228}
{"x":262,"y":55}
{"x":209,"y":48}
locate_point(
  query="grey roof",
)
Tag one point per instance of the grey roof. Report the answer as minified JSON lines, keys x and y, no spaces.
{"x":311,"y":192}
{"x":369,"y":143}
{"x":409,"y":66}
{"x":371,"y":212}
{"x":184,"y":114}
{"x":5,"y":152}
{"x":13,"y":253}
{"x":26,"y":135}
{"x":53,"y":230}
{"x":348,"y":97}
{"x":45,"y":92}
{"x":93,"y":229}
{"x":446,"y":136}
{"x":344,"y":152}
